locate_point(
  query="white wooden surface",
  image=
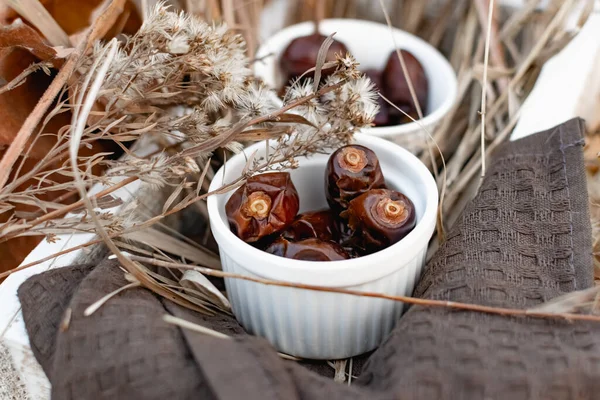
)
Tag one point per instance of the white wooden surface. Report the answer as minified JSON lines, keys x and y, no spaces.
{"x":566,"y":88}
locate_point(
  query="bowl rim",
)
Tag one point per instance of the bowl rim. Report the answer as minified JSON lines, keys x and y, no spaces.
{"x":442,"y":66}
{"x":417,"y":239}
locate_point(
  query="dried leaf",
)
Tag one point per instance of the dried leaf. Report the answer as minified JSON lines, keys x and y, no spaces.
{"x":134,"y":134}
{"x":103,"y":203}
{"x":514,"y":104}
{"x":4,"y":207}
{"x":97,"y":304}
{"x":195,"y":280}
{"x":294,"y":119}
{"x":5,"y":229}
{"x":321,"y":56}
{"x":170,"y":286}
{"x":214,"y":143}
{"x":249,"y":162}
{"x":34,"y":201}
{"x":63,"y":52}
{"x":26,"y":215}
{"x":257,"y":135}
{"x":168,"y":243}
{"x":150,"y":96}
{"x":207,"y":306}
{"x":173,"y":197}
{"x":21,"y":46}
{"x":21,"y":78}
{"x":19,"y":35}
{"x":17,"y":105}
{"x":194,"y":327}
{"x":493,"y":72}
{"x":202,"y":177}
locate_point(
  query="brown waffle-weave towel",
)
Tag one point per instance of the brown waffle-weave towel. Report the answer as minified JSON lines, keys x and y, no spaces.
{"x":523,"y":240}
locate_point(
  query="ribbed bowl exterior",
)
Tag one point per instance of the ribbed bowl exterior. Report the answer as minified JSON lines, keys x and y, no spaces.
{"x":320,"y":325}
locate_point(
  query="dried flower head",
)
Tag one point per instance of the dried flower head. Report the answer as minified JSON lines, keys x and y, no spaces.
{"x":188,"y":82}
{"x":187,"y":86}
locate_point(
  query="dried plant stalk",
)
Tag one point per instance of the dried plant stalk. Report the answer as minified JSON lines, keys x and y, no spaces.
{"x":527,"y":313}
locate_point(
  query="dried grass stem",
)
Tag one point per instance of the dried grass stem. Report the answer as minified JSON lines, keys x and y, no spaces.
{"x":404,"y":299}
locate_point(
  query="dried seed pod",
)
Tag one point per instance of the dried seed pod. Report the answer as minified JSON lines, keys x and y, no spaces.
{"x":265,"y":204}
{"x":301,"y":55}
{"x":379,"y":218}
{"x":395,"y":86}
{"x":383,"y":116}
{"x":351,"y":171}
{"x":308,"y":250}
{"x":321,"y":225}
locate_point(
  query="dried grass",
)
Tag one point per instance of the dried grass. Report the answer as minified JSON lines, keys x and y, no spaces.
{"x":537,"y":312}
{"x":206,"y":331}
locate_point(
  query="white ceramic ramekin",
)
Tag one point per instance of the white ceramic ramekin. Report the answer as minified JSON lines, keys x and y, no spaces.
{"x":371,"y":44}
{"x":321,"y":325}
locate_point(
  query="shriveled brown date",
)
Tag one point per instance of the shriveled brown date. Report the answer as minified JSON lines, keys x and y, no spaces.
{"x":264,"y":205}
{"x":301,"y":55}
{"x":345,"y":238}
{"x":351,"y":171}
{"x":379,"y":218}
{"x":308,"y":250}
{"x":396,"y":85}
{"x":321,"y":225}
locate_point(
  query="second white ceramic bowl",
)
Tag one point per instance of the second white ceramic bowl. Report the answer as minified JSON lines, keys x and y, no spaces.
{"x":322,"y":325}
{"x":371,"y":44}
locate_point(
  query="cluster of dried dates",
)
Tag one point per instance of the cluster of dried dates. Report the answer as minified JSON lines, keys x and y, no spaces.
{"x":301,"y":55}
{"x":364,"y":215}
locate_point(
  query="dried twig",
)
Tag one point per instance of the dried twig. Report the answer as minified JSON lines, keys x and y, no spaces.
{"x":484,"y":84}
{"x":80,"y":117}
{"x":66,"y":209}
{"x":404,"y":299}
{"x":20,"y":79}
{"x":96,"y":305}
{"x":182,"y":323}
{"x":411,"y":87}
